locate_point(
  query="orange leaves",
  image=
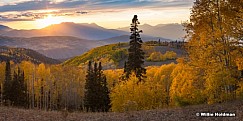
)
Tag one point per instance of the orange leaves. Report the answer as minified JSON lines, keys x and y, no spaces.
{"x":157,"y":56}
{"x":239,"y":63}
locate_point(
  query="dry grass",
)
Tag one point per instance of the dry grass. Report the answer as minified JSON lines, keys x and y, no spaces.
{"x":176,"y":114}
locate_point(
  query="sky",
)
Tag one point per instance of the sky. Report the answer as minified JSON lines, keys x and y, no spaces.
{"x":36,"y":14}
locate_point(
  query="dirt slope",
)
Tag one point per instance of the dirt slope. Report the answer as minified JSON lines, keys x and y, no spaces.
{"x":175,"y":114}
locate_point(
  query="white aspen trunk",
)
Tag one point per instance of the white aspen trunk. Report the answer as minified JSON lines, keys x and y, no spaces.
{"x":50,"y":99}
{"x":1,"y":89}
{"x":33,"y":88}
{"x":46,"y":100}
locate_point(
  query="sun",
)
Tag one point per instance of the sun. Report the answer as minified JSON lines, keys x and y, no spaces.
{"x":48,"y":20}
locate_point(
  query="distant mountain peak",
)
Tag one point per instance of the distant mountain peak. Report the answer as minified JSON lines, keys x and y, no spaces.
{"x":173,"y":31}
{"x":94,"y":24}
{"x":5,"y":28}
{"x":146,"y":25}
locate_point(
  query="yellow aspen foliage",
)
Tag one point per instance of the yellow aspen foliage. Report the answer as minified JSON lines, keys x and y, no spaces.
{"x":170,"y":55}
{"x":187,"y":86}
{"x":214,"y":44}
{"x":129,"y":95}
{"x":28,"y":69}
{"x":239,"y":91}
{"x":239,"y":62}
{"x":2,"y":72}
{"x":152,"y":93}
{"x":215,"y":85}
{"x":113,"y":76}
{"x":157,"y":56}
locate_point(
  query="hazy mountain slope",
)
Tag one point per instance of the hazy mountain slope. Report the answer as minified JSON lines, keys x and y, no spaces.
{"x":21,"y":54}
{"x":4,"y":28}
{"x":114,"y":56}
{"x":126,"y":38}
{"x":57,"y":47}
{"x":170,"y":31}
{"x":84,"y":31}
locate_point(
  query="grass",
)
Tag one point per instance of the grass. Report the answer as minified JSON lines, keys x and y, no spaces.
{"x":112,"y":51}
{"x":187,"y":113}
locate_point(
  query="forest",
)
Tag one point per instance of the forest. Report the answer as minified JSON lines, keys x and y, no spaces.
{"x":211,"y":72}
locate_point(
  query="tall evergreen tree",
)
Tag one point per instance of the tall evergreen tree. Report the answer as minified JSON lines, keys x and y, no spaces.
{"x":7,"y":83}
{"x":23,"y":98}
{"x":19,"y":90}
{"x":105,"y":99}
{"x":89,"y":93}
{"x":135,"y":53}
{"x":96,"y":91}
{"x":15,"y":89}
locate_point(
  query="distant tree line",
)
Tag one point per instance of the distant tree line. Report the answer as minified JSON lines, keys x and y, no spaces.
{"x":174,"y":44}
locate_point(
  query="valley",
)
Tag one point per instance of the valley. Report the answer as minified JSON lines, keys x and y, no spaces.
{"x":76,"y":40}
{"x":70,"y":60}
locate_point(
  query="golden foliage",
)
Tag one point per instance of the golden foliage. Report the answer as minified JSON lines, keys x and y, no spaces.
{"x":151,"y":94}
{"x":157,"y":56}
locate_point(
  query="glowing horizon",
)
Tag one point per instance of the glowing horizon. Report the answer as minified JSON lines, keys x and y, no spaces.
{"x":119,"y":13}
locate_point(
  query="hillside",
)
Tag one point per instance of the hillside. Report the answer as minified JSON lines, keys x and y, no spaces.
{"x":18,"y":55}
{"x":114,"y":55}
{"x":110,"y":54}
{"x":57,"y":47}
{"x":174,"y":114}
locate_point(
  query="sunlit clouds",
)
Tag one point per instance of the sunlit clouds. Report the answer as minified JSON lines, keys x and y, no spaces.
{"x":107,"y":13}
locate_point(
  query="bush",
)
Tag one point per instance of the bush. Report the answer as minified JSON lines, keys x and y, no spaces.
{"x":157,"y":56}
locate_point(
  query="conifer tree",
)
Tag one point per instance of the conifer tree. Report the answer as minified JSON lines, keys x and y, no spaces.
{"x":135,"y":53}
{"x":89,"y":93}
{"x":24,"y":91}
{"x":15,"y":89}
{"x":7,"y":83}
{"x":105,"y":99}
{"x":96,"y":91}
{"x":19,"y":90}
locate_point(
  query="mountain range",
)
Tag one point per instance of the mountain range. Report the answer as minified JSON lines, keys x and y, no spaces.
{"x":125,"y":38}
{"x":95,"y":32}
{"x":169,"y":31}
{"x":84,"y":31}
{"x":66,"y":40}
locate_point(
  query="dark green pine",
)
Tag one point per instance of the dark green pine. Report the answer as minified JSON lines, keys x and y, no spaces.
{"x":135,"y":53}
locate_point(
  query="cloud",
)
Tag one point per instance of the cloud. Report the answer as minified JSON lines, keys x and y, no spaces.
{"x":29,"y":10}
{"x":39,"y":5}
{"x":6,"y":19}
{"x":91,"y":4}
{"x":31,"y":16}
